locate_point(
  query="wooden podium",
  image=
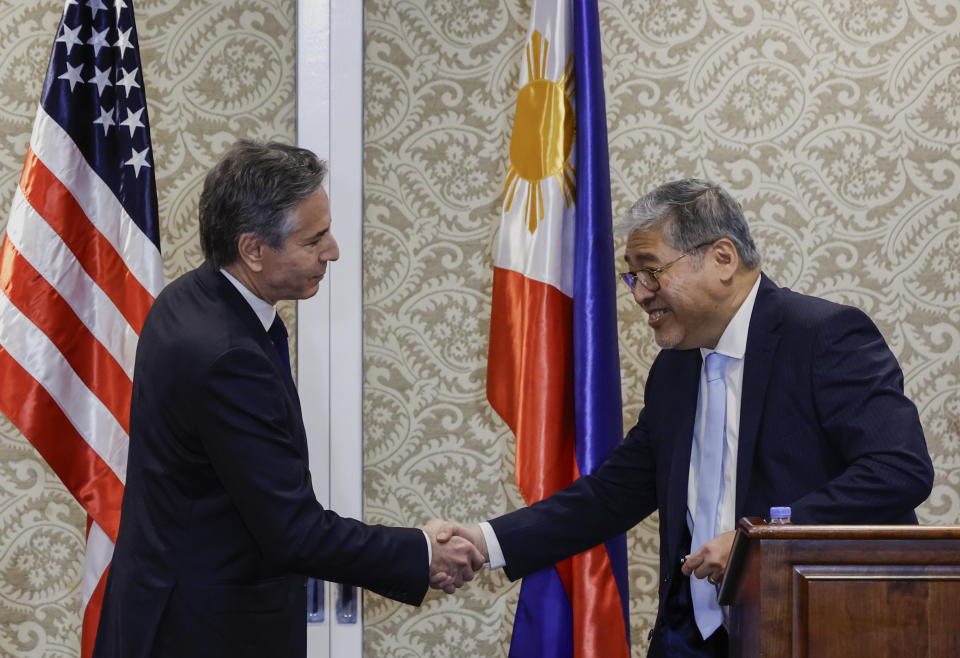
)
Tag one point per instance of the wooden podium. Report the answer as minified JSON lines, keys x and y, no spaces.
{"x":843,"y":591}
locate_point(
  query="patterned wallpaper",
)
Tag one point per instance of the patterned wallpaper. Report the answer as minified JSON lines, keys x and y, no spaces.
{"x":439,"y":81}
{"x":215,"y":71}
{"x":835,"y":122}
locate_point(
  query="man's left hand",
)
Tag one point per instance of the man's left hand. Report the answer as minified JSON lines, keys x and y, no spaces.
{"x":710,"y":561}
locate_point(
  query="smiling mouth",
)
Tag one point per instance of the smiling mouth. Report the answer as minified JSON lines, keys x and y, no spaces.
{"x":657,"y":315}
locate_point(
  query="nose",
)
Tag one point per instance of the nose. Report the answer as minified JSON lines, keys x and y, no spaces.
{"x":642,"y":295}
{"x":332,"y":251}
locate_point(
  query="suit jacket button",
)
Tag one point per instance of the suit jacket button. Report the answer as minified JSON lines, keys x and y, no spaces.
{"x":650,"y":635}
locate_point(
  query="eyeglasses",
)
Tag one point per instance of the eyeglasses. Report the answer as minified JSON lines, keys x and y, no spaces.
{"x":649,"y":277}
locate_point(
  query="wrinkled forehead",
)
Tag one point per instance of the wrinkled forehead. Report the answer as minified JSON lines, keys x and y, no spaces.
{"x":647,"y":247}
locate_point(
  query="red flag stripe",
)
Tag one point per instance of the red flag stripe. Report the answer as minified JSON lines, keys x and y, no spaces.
{"x":40,"y":359}
{"x":35,"y":413}
{"x":529,"y":379}
{"x":529,"y":383}
{"x":44,"y":306}
{"x":96,"y":255}
{"x":91,"y":617}
{"x":598,"y":626}
{"x":40,"y":246}
{"x":60,"y":155}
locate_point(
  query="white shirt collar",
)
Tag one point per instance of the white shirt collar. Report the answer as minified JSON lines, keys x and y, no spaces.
{"x":733,"y":341}
{"x":265,"y":310}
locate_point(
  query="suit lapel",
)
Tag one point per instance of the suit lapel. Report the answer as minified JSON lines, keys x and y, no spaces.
{"x":218,"y":285}
{"x":762,"y":340}
{"x":250,"y":322}
{"x":223,"y":289}
{"x":686,"y":388}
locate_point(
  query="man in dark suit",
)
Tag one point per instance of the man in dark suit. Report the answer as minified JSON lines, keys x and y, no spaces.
{"x":220,"y":526}
{"x":760,"y":397}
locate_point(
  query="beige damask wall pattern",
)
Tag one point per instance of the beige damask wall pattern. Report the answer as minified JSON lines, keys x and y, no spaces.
{"x":835,"y":122}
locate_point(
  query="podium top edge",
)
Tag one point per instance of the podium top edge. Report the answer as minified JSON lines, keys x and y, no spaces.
{"x":757,"y":528}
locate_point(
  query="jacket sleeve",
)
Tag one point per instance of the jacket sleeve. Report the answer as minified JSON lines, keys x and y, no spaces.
{"x":595,"y":508}
{"x":247,"y":427}
{"x":866,"y":419}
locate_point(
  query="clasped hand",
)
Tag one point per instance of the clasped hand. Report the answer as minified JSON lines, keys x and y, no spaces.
{"x":458,"y":553}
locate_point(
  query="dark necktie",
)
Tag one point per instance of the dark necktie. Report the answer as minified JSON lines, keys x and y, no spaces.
{"x":315,"y":588}
{"x":278,"y":336}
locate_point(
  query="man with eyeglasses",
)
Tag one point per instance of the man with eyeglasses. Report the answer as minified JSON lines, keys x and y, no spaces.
{"x":759,"y":397}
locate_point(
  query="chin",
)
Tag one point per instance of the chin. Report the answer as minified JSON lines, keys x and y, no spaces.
{"x":667,"y":341}
{"x":310,"y":291}
{"x":306,"y":292}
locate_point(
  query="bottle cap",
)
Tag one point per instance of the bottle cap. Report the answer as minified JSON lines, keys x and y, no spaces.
{"x":779,"y":512}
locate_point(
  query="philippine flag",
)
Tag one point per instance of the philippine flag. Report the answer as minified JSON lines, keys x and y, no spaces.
{"x":553,"y":371}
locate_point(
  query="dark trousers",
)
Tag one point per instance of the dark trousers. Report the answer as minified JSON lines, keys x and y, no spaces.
{"x":677,"y":635}
{"x":671,"y":643}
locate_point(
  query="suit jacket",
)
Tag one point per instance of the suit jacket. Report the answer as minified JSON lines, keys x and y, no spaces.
{"x":220,"y":526}
{"x":824,"y":428}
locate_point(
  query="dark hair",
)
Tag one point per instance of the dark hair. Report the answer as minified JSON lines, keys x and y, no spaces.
{"x":693,"y":212}
{"x":254,"y":189}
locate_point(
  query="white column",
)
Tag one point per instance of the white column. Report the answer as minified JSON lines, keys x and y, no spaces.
{"x":330,"y":325}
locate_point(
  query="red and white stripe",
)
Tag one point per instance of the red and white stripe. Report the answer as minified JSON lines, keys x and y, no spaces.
{"x":78,"y":277}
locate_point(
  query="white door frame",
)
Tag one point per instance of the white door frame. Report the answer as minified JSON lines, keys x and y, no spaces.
{"x":330,"y":324}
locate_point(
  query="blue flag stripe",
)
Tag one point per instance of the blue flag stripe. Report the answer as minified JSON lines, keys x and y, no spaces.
{"x":94,"y":89}
{"x":599,"y":407}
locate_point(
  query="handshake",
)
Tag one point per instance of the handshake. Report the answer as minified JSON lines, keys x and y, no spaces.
{"x":458,"y":553}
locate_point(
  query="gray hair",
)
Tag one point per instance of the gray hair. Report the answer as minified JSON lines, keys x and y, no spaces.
{"x":255,"y":188}
{"x":692,"y":212}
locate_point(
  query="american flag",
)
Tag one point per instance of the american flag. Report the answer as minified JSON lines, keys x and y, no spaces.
{"x":79,"y":268}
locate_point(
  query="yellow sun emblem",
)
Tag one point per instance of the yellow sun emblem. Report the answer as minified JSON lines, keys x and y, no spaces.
{"x":543,"y":134}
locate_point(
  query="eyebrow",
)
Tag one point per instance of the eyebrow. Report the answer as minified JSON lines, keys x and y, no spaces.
{"x":642,"y":256}
{"x":317,"y":235}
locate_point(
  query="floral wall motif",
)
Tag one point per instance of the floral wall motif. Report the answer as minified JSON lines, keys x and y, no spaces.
{"x":834,"y":123}
{"x":215,"y":71}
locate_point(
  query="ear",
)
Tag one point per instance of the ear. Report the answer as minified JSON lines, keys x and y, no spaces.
{"x":723,"y":256}
{"x":251,"y":250}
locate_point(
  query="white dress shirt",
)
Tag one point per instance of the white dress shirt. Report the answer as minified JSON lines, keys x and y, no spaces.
{"x":732,"y":343}
{"x":265,"y":310}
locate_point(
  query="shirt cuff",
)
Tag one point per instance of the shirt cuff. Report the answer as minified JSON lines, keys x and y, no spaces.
{"x":493,"y":547}
{"x":429,"y":549}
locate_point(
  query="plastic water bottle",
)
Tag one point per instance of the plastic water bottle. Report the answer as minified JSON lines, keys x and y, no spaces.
{"x":779,"y":516}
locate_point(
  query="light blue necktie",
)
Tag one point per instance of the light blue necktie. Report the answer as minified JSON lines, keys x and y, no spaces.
{"x":706,"y":610}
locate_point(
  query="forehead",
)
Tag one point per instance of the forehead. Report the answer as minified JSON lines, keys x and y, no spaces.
{"x":646,"y":246}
